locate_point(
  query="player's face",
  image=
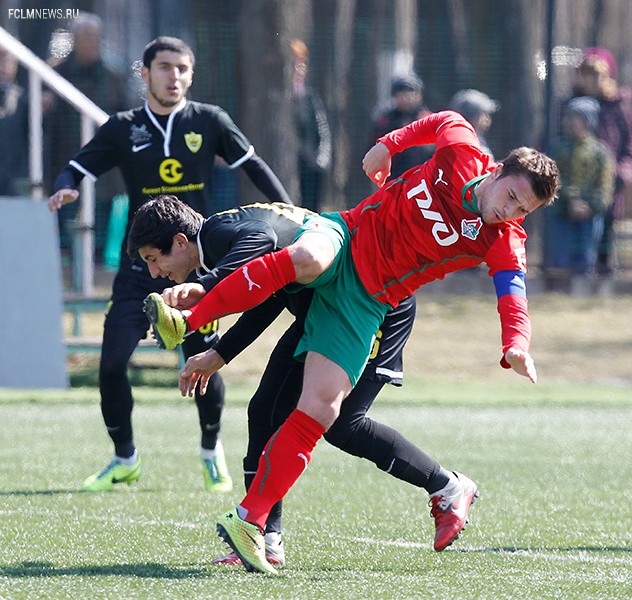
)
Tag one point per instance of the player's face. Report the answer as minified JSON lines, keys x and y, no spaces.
{"x":168,"y":79}
{"x":175,"y":266}
{"x":505,"y":198}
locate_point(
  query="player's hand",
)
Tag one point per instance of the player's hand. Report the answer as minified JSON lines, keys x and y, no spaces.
{"x":377,"y":164}
{"x":199,"y":368}
{"x":61,"y":197}
{"x":522,"y":363}
{"x":184,"y":295}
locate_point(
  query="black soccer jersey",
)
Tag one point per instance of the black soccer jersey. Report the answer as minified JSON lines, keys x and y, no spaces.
{"x":174,"y":158}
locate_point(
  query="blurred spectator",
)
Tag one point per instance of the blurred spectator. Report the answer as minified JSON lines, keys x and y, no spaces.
{"x":406,"y":106}
{"x":86,"y":69}
{"x":575,"y":221}
{"x":14,"y":129}
{"x":596,"y":76}
{"x":478,"y":108}
{"x":312,"y":128}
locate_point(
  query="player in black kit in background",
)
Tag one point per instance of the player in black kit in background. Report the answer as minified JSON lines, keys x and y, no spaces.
{"x":170,"y":237}
{"x":166,"y":146}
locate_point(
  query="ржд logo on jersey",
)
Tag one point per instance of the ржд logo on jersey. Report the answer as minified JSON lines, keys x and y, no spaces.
{"x":443,"y":234}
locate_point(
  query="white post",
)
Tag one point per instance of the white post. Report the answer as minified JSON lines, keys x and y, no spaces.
{"x":87,"y":217}
{"x":36,"y":166}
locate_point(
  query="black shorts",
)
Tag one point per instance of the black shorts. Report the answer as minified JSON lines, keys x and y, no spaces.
{"x":386,"y":362}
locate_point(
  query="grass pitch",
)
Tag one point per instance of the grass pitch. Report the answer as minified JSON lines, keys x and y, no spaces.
{"x":554,"y":519}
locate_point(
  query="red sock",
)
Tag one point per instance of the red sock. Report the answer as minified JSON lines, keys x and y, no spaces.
{"x":283,"y":461}
{"x":246,"y":287}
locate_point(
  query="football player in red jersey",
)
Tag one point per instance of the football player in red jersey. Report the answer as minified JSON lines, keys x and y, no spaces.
{"x":453,"y":212}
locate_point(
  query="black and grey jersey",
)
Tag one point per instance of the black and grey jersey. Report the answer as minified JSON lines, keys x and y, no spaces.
{"x":172,"y":156}
{"x":229,"y":239}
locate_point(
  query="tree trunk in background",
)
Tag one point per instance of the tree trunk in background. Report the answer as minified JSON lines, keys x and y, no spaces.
{"x":265,"y":67}
{"x":343,"y":52}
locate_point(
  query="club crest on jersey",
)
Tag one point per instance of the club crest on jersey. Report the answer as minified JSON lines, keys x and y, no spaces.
{"x":193,"y":141}
{"x":471,"y":227}
{"x":140,"y":134}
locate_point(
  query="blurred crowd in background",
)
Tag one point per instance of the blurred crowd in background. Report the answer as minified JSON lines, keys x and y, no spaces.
{"x":588,"y":129}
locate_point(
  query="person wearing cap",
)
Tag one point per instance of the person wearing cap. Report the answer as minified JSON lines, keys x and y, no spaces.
{"x":596,"y":76}
{"x":406,"y":106}
{"x":478,"y":108}
{"x":575,"y":222}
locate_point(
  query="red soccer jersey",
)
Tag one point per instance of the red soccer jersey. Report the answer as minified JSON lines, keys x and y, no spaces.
{"x":425,"y":224}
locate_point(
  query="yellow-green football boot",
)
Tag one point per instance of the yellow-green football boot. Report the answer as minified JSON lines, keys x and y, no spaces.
{"x":168,"y":324}
{"x":216,"y":477}
{"x":246,"y":540}
{"x":115,"y":472}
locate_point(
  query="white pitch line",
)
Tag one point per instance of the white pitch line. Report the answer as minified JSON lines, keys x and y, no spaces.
{"x":578,"y":555}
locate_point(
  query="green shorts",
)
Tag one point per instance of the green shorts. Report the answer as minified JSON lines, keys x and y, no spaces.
{"x":342,"y":319}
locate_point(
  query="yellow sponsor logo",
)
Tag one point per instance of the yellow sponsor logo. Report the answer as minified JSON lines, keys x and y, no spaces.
{"x":193,"y":141}
{"x":173,"y":189}
{"x":170,"y":170}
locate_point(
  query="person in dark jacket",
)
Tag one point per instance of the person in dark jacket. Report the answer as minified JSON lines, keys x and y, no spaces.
{"x":407,"y":105}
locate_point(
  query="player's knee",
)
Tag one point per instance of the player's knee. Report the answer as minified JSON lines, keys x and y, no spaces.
{"x":311,"y":256}
{"x":343,"y":435}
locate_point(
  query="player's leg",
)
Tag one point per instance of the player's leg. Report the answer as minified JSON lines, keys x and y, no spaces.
{"x":285,"y":458}
{"x":124,"y":326}
{"x":303,"y":262}
{"x":340,"y":324}
{"x":361,"y":436}
{"x":210,"y":406}
{"x":275,"y":398}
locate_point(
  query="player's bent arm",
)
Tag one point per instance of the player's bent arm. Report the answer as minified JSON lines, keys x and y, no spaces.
{"x":248,"y":328}
{"x":377,"y":163}
{"x":199,"y":368}
{"x":265,"y":180}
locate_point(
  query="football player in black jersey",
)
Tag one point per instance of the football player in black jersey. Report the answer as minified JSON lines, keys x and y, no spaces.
{"x":168,"y":145}
{"x":174,"y":240}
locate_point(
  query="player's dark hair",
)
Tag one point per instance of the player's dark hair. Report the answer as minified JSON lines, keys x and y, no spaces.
{"x":164,"y":42}
{"x":157,"y":222}
{"x":541,"y":170}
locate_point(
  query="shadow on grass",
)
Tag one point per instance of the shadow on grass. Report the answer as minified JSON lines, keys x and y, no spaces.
{"x":63,"y":492}
{"x":150,"y":570}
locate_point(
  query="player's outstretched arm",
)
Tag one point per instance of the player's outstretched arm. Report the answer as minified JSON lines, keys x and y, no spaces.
{"x":61,"y":197}
{"x":522,"y":363}
{"x":199,"y":368}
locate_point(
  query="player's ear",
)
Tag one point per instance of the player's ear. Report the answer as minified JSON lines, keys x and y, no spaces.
{"x":180,"y":241}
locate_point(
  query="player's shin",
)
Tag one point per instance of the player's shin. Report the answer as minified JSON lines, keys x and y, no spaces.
{"x":283,"y":461}
{"x":243,"y":289}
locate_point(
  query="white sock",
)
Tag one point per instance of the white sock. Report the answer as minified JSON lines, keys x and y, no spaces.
{"x":129,"y":461}
{"x":207,"y":454}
